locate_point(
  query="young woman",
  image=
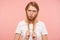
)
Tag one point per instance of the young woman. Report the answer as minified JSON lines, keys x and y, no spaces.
{"x":31,"y":28}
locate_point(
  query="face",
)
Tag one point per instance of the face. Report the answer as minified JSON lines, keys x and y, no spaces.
{"x":31,"y":13}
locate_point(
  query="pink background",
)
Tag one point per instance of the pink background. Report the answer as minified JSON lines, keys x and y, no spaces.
{"x":12,"y":11}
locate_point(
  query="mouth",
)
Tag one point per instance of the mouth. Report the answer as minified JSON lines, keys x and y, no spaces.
{"x":31,"y":17}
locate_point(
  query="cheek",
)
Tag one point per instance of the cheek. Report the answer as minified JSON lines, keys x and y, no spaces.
{"x":28,"y":13}
{"x":34,"y":14}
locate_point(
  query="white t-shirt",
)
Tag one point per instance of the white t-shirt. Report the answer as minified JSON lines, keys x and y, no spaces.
{"x":40,"y":29}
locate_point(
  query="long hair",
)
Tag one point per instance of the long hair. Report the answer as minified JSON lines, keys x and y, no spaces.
{"x":34,"y":4}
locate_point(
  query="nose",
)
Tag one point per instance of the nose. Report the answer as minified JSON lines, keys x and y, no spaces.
{"x":31,"y":13}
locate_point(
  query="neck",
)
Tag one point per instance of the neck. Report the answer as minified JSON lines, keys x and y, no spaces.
{"x":32,"y":22}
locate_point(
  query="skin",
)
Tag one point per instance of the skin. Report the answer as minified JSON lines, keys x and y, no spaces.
{"x":31,"y":17}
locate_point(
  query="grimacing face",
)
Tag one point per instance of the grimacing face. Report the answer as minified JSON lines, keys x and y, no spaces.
{"x":31,"y":13}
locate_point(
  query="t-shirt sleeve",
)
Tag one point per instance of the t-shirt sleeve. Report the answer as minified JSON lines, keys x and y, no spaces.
{"x":18,"y":29}
{"x":44,"y":30}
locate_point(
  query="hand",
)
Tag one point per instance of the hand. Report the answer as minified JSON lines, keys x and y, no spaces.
{"x":27,"y":35}
{"x":34,"y":36}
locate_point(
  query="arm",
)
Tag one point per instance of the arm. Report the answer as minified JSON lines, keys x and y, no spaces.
{"x":18,"y":37}
{"x":44,"y":32}
{"x":44,"y":37}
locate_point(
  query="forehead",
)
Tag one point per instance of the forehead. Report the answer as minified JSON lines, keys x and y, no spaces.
{"x":31,"y":8}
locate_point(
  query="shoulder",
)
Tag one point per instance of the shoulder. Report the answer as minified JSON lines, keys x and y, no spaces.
{"x":41,"y":22}
{"x":21,"y":22}
{"x":19,"y":26}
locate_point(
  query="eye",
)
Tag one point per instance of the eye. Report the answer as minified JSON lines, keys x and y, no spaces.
{"x":34,"y":10}
{"x":29,"y":10}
